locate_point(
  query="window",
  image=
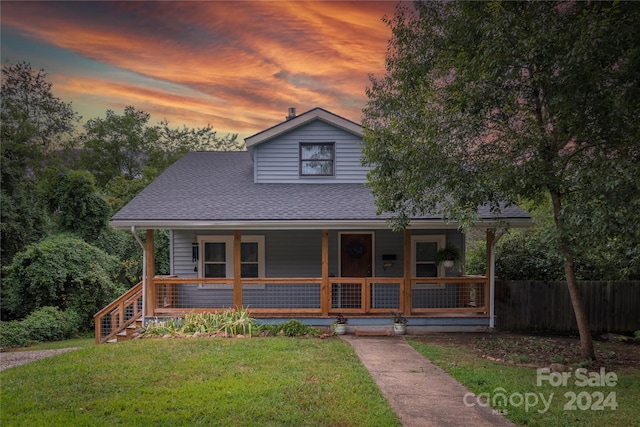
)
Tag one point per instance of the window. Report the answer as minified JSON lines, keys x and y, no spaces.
{"x":423,"y":256}
{"x":217,"y":258}
{"x":317,"y":159}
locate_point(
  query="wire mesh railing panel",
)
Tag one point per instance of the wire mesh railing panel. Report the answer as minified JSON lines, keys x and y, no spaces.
{"x":346,"y":295}
{"x":384,"y":296}
{"x":447,"y":295}
{"x":106,"y":325}
{"x":194,"y":296}
{"x":281,"y":295}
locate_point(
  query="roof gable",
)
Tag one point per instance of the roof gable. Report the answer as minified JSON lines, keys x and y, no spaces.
{"x":301,"y":120}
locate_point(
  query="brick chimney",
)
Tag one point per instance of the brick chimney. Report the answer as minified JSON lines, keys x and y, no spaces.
{"x":292,"y":113}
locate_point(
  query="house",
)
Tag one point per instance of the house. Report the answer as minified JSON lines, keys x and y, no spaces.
{"x":289,"y":229}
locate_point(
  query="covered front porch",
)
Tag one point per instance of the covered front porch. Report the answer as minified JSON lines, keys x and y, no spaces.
{"x":429,"y":303}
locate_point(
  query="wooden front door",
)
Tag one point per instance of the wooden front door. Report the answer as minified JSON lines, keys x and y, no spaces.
{"x":356,"y":255}
{"x":356,"y":260}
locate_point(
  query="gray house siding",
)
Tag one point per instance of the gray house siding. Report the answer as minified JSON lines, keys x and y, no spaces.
{"x":277,"y":161}
{"x":298,"y":254}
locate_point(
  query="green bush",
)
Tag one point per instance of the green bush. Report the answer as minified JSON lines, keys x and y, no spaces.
{"x":45,"y":324}
{"x":230,"y":322}
{"x":13,"y":334}
{"x":62,"y":271}
{"x":51,"y":324}
{"x":291,"y":328}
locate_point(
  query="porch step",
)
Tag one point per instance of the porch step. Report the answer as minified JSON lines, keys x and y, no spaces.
{"x":372,"y":333}
{"x":127,"y":332}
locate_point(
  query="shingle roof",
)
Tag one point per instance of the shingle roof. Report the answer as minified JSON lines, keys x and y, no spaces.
{"x":300,"y":120}
{"x":214,"y":187}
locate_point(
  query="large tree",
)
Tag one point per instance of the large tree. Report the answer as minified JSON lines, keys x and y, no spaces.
{"x":128,"y":146}
{"x":34,"y":123}
{"x":491,"y":102}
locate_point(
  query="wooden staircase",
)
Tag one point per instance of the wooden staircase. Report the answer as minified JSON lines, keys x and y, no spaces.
{"x":119,"y":320}
{"x":127,"y":333}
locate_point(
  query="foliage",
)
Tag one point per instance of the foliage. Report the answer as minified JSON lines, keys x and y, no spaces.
{"x":291,"y":328}
{"x":532,"y":254}
{"x":486,"y":103}
{"x":44,"y":324}
{"x":398,"y":317}
{"x":74,"y":202}
{"x":34,"y":123}
{"x":13,"y":334}
{"x":64,"y":272}
{"x":448,"y":253}
{"x":126,"y":146}
{"x":228,"y":322}
{"x":341,"y":320}
{"x":239,"y":382}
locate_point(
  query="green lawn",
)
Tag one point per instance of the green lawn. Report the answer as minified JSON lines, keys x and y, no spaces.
{"x":223,"y":382}
{"x":54,"y":345}
{"x":579,"y":403}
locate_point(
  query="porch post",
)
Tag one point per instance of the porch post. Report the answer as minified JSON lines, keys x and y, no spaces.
{"x":405,"y":292}
{"x":490,"y":290}
{"x":237,"y":271}
{"x":150,"y":288}
{"x":325,"y":293}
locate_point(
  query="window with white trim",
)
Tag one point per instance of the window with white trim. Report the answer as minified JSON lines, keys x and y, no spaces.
{"x":423,"y":255}
{"x":217,"y":256}
{"x":317,"y":159}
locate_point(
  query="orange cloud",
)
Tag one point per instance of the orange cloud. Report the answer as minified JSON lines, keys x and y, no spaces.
{"x":232,"y":64}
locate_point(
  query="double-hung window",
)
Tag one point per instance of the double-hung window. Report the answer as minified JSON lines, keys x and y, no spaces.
{"x":217,"y":256}
{"x":423,"y":258}
{"x":317,"y":159}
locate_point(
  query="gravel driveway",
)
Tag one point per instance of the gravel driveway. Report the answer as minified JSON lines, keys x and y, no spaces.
{"x":15,"y":358}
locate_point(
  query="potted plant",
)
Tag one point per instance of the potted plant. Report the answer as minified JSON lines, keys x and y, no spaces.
{"x":399,"y":323}
{"x":448,"y":256}
{"x":340,"y":325}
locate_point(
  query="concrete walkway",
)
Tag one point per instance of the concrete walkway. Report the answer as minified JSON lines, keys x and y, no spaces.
{"x":419,"y":392}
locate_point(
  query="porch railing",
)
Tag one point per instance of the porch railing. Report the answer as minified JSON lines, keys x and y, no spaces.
{"x":121,"y":313}
{"x":306,"y":297}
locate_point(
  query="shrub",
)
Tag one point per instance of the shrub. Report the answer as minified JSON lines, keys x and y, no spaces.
{"x":51,"y":324}
{"x":231,"y":322}
{"x":45,"y":324}
{"x":291,"y":328}
{"x":62,"y":271}
{"x":13,"y":334}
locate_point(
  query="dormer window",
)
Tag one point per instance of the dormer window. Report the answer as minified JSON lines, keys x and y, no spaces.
{"x":317,"y":159}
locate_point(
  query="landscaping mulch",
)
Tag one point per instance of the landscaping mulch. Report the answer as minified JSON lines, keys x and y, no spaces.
{"x":538,"y":351}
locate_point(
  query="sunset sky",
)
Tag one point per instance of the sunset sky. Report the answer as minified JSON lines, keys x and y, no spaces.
{"x":237,"y":65}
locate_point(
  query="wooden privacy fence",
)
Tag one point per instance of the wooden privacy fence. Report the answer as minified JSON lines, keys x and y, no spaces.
{"x":532,"y":306}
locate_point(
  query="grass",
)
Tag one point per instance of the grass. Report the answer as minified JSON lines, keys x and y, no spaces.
{"x":241,"y":382}
{"x":55,"y":345}
{"x":495,"y":379}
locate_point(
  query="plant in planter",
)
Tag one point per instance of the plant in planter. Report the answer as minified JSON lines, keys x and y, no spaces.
{"x":399,"y":323}
{"x":340,"y":325}
{"x":448,"y":256}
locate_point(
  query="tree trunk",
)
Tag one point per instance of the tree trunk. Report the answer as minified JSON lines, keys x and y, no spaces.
{"x":586,"y":343}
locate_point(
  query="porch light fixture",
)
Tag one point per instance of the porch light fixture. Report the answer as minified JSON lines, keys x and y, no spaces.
{"x":195,"y":252}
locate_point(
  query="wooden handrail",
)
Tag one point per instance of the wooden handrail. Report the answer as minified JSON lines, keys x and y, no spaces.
{"x":117,"y":319}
